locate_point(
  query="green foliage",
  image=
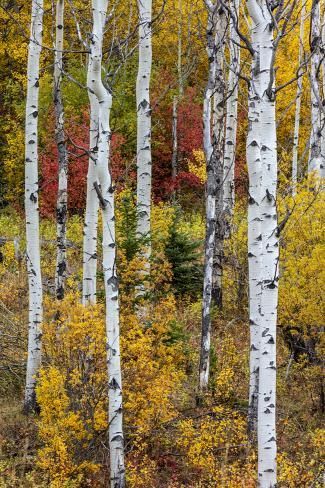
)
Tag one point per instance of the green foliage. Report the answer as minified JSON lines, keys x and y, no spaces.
{"x":183,"y":254}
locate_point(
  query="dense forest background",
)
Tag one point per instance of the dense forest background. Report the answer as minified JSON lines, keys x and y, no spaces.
{"x":172,"y":438}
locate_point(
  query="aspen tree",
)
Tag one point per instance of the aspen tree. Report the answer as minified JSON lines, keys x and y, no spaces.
{"x":32,"y":207}
{"x":105,"y":193}
{"x":316,"y":162}
{"x":219,"y":107}
{"x":62,"y":198}
{"x":231,"y":122}
{"x":178,"y":97}
{"x":215,"y":39}
{"x":89,"y":284}
{"x":144,"y":160}
{"x":266,"y":425}
{"x":254,"y":166}
{"x":298,"y":103}
{"x":210,"y":201}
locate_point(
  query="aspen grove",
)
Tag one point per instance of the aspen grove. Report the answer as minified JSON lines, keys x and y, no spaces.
{"x":162,"y":248}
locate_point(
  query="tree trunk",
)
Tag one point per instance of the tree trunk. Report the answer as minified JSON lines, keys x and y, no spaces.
{"x":218,"y":157}
{"x":210,"y":205}
{"x":89,"y":288}
{"x":175,"y":143}
{"x":266,"y":427}
{"x":253,"y":154}
{"x":298,"y":103}
{"x":316,"y":162}
{"x":105,"y":193}
{"x":62,"y":198}
{"x":231,"y":126}
{"x":32,"y":207}
{"x":144,"y":162}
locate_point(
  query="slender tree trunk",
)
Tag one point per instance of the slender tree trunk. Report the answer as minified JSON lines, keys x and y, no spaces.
{"x":62,"y":198}
{"x":144,"y":161}
{"x":298,"y":103}
{"x":89,"y":288}
{"x":32,"y":207}
{"x":231,"y":125}
{"x":105,"y":193}
{"x":218,"y":156}
{"x":210,"y":205}
{"x":175,"y":142}
{"x":266,"y":428}
{"x":316,"y":162}
{"x":177,"y":99}
{"x":323,"y":100}
{"x":254,"y":165}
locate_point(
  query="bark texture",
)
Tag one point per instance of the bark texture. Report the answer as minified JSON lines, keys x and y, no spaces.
{"x":298,"y":103}
{"x":316,"y":161}
{"x":32,"y":207}
{"x":231,"y":124}
{"x":266,"y":426}
{"x":144,"y":161}
{"x":105,"y":193}
{"x":210,"y":205}
{"x":219,"y":107}
{"x":62,"y":199}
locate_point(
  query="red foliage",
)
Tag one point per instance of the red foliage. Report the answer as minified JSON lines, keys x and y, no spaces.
{"x":190,"y":136}
{"x":77,"y":130}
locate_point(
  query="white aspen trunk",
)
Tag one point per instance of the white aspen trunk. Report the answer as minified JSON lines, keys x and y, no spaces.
{"x":218,"y":156}
{"x":105,"y":192}
{"x":210,"y":205}
{"x":231,"y":125}
{"x":295,"y":148}
{"x":89,"y":284}
{"x":323,"y":100}
{"x":32,"y":207}
{"x":175,"y":141}
{"x":254,"y":166}
{"x":266,"y":425}
{"x":62,"y":198}
{"x":315,"y":162}
{"x":177,"y":99}
{"x":144,"y":161}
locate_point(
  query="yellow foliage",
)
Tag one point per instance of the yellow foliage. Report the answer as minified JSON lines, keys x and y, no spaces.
{"x":198,"y":167}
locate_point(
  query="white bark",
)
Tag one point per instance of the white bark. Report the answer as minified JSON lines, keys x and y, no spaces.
{"x":219,"y":108}
{"x":254,"y":165}
{"x":231,"y":123}
{"x":315,"y":162}
{"x":323,"y":100}
{"x":210,"y":205}
{"x":144,"y":161}
{"x":298,"y":104}
{"x":62,"y":198}
{"x":266,"y":428}
{"x":32,"y":206}
{"x":89,"y":287}
{"x":105,"y":192}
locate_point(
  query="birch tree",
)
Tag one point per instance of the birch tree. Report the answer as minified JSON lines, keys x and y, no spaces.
{"x":144,"y":161}
{"x":105,"y":192}
{"x":219,"y":107}
{"x":298,"y":102}
{"x":214,"y":165}
{"x":92,"y":203}
{"x":62,"y":198}
{"x":262,"y":28}
{"x":210,"y":201}
{"x":32,"y":206}
{"x":254,"y":166}
{"x":231,"y":122}
{"x":316,"y":162}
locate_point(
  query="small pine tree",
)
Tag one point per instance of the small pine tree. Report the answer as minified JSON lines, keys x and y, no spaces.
{"x":183,"y":254}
